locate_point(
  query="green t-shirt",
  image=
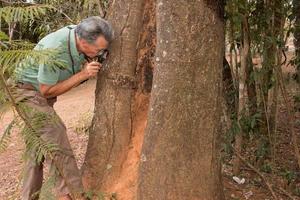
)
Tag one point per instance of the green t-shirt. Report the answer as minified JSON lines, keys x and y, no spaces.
{"x":34,"y":74}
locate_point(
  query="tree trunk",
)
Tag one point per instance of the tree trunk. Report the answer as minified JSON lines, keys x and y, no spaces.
{"x":297,"y":40}
{"x":242,"y":95}
{"x":251,"y":86}
{"x":111,"y":130}
{"x":229,"y":91}
{"x":279,"y":22}
{"x":180,"y":155}
{"x":266,"y":82}
{"x":271,"y":60}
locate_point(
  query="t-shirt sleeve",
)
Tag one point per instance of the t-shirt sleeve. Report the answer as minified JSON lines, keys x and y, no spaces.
{"x":48,"y":75}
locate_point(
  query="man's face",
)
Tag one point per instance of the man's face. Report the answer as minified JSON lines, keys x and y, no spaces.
{"x":92,"y":50}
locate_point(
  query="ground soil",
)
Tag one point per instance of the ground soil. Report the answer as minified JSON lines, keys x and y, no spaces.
{"x":76,"y":108}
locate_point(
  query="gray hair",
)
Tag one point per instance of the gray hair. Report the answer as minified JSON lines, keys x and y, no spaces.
{"x":93,"y":27}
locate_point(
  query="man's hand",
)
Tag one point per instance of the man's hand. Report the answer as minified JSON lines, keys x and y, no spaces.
{"x":90,"y":69}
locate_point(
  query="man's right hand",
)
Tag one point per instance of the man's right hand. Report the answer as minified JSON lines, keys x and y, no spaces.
{"x":90,"y":69}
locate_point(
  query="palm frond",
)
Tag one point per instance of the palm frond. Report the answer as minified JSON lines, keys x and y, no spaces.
{"x":31,"y":135}
{"x":4,"y":103}
{"x":24,"y":14}
{"x":46,"y":192}
{"x":10,"y":59}
{"x":4,"y":107}
{"x":35,"y":144}
{"x":17,"y":45}
{"x":5,"y":138}
{"x":3,"y":36}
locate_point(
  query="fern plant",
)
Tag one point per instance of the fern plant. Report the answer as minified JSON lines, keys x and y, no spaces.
{"x":12,"y":54}
{"x":23,"y":12}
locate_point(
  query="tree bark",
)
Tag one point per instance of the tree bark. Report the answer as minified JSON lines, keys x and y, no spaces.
{"x":250,"y":78}
{"x":245,"y":50}
{"x":279,"y":22}
{"x":269,"y":62}
{"x":297,"y":40}
{"x":180,"y":155}
{"x":111,"y":129}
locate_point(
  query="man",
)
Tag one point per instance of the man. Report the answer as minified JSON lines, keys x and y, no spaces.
{"x":38,"y":87}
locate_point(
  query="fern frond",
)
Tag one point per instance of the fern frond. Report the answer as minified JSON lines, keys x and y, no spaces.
{"x":18,"y":45}
{"x":3,"y":101}
{"x":24,"y":13}
{"x":46,"y":192}
{"x":35,"y":144}
{"x":31,"y":135}
{"x":10,"y":59}
{"x":4,"y":107}
{"x":5,"y":139}
{"x":3,"y":36}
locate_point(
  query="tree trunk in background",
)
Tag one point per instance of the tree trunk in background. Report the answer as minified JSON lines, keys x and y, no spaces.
{"x":180,"y":155}
{"x":249,"y":71}
{"x":229,"y":91}
{"x":266,"y":83}
{"x":297,"y":40}
{"x":271,"y":60}
{"x":267,"y":71}
{"x":245,"y":54}
{"x":279,"y":22}
{"x":111,"y":129}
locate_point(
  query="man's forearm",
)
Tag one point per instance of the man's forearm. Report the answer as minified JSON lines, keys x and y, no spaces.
{"x":63,"y":86}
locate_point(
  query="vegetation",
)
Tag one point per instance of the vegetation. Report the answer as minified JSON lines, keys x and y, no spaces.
{"x":261,"y":95}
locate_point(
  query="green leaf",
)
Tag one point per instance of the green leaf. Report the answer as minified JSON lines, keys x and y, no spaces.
{"x":11,"y":14}
{"x":5,"y":139}
{"x":3,"y":36}
{"x":10,"y":59}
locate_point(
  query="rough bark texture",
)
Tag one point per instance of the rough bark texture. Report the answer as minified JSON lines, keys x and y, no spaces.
{"x":180,"y":154}
{"x":111,"y":129}
{"x":250,"y":80}
{"x":279,"y":22}
{"x":242,"y":87}
{"x":146,"y":49}
{"x":269,"y":80}
{"x":297,"y":39}
{"x":217,"y":6}
{"x":127,"y":182}
{"x":267,"y":67}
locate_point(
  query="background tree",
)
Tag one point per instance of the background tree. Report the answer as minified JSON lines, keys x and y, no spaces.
{"x":180,"y":154}
{"x":261,"y":115}
{"x":296,"y":13}
{"x":268,"y":27}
